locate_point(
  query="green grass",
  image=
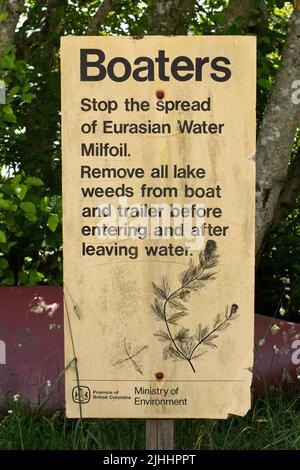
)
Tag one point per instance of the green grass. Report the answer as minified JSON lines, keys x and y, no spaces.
{"x":271,"y":424}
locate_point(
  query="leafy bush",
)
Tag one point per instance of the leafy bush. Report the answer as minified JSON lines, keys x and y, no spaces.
{"x":30,"y":181}
{"x":29,"y":231}
{"x":278,"y":276}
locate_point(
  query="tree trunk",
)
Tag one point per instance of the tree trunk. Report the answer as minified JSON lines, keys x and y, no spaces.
{"x":242,"y":10}
{"x":170,"y":16}
{"x":277,"y":133}
{"x":12,"y":10}
{"x":100,"y":16}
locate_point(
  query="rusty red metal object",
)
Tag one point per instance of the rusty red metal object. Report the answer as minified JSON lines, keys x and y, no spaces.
{"x":31,"y":344}
{"x":277,"y":352}
{"x":31,"y":347}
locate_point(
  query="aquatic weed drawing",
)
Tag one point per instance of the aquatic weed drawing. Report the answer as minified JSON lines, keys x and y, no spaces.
{"x":131,"y":352}
{"x":170,"y":307}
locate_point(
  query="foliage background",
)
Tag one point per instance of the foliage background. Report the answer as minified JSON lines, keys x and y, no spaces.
{"x":30,"y":180}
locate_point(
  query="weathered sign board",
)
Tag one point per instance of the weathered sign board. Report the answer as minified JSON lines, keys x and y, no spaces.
{"x":158,"y":225}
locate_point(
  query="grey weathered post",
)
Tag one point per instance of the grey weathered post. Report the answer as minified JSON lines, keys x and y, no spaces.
{"x":159,"y":434}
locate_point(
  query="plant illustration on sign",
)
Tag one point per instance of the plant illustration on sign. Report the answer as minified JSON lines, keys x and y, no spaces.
{"x":170,"y":307}
{"x":131,"y":353}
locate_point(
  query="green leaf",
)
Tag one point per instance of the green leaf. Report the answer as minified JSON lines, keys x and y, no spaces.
{"x":265,"y":83}
{"x":274,"y":329}
{"x":44,"y":204}
{"x":2,"y":237}
{"x":22,"y":277}
{"x":21,"y":191}
{"x":8,"y":61}
{"x":26,"y":87}
{"x":3,"y":263}
{"x":4,"y":204}
{"x":17,"y":179}
{"x":34,"y":276}
{"x":10,"y":118}
{"x":13,"y":92}
{"x":3,"y":16}
{"x":262,"y":4}
{"x":28,"y":207}
{"x":9,"y":280}
{"x":53,"y":222}
{"x":33,"y":181}
{"x":30,"y":216}
{"x":11,"y":244}
{"x":76,"y":310}
{"x":8,"y":246}
{"x":253,"y":22}
{"x":28,"y":97}
{"x":7,"y":109}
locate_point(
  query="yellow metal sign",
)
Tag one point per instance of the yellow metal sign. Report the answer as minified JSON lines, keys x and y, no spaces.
{"x":158,"y":225}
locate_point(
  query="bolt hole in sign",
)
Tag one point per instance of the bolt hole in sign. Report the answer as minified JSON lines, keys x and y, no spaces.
{"x":158,"y":225}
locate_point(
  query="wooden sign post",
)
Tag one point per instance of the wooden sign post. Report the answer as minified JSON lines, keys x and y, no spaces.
{"x":159,"y":434}
{"x":158,"y":226}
